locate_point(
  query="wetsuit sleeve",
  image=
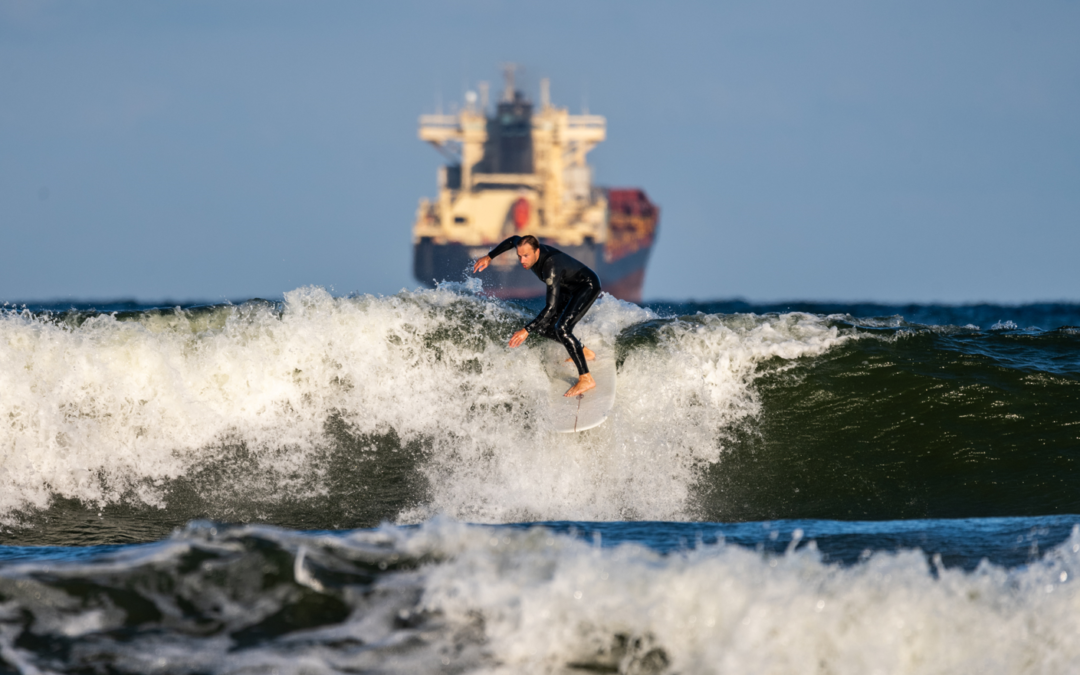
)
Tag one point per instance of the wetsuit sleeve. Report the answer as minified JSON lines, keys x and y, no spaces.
{"x":510,"y":243}
{"x":553,"y":290}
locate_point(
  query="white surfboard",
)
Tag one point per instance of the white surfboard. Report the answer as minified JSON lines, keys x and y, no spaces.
{"x":578,"y":413}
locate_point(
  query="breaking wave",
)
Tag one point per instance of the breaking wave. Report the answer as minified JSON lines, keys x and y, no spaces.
{"x":321,"y":412}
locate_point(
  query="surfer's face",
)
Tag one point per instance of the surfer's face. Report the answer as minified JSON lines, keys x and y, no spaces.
{"x":528,"y":255}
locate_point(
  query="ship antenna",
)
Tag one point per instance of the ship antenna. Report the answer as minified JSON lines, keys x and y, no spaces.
{"x":483,"y":97}
{"x":508,"y":75}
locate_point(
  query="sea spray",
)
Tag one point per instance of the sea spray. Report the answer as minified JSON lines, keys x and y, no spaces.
{"x":245,"y":406}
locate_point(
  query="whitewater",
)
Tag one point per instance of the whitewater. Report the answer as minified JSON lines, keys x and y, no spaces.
{"x":329,"y":484}
{"x":106,"y":409}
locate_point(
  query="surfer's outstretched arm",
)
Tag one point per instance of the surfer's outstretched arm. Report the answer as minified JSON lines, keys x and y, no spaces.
{"x":518,"y":338}
{"x":481,"y":264}
{"x":506,"y":245}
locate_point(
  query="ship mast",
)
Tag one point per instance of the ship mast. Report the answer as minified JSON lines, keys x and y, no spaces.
{"x":508,"y":82}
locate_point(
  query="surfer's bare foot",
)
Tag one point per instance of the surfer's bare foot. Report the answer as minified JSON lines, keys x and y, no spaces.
{"x":590,"y":355}
{"x":584,"y":384}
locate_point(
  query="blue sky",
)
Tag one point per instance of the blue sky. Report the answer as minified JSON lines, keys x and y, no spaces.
{"x":888,"y":151}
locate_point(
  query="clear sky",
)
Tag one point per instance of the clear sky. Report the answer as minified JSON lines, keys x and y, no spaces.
{"x":888,"y":151}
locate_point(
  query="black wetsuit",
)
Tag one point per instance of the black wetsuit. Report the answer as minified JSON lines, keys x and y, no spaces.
{"x":571,"y":289}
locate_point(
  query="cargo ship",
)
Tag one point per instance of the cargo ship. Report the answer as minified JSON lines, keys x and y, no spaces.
{"x":521,"y":169}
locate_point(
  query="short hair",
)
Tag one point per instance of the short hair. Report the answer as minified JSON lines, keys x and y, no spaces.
{"x":530,"y":240}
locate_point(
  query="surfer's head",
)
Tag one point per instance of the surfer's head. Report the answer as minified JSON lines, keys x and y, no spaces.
{"x":528,"y":251}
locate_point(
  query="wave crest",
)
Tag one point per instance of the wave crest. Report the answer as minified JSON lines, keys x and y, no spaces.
{"x":265,"y":403}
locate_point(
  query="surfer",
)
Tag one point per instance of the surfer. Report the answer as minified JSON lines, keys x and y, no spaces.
{"x":571,"y":289}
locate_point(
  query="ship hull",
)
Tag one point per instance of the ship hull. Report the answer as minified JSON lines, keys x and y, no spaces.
{"x":507,"y":279}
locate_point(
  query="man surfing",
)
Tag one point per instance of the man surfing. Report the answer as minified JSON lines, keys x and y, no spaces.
{"x":571,"y":289}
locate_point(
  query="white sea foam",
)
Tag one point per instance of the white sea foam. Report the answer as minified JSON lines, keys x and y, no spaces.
{"x":500,"y":601}
{"x":547,"y":602}
{"x":116,"y":409}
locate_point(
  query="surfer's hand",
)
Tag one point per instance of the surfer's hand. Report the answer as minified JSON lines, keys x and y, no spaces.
{"x":481,"y":264}
{"x":519,"y":337}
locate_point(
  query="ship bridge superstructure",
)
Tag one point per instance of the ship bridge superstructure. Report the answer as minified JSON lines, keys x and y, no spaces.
{"x":517,"y":169}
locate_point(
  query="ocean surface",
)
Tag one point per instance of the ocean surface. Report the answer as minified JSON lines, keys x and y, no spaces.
{"x":367,"y":484}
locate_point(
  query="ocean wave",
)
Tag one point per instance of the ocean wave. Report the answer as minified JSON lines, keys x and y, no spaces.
{"x":448,"y":597}
{"x":253,"y":401}
{"x":329,"y":412}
